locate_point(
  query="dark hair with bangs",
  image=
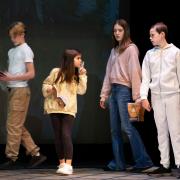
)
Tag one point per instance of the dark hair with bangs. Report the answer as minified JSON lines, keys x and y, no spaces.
{"x":67,"y":70}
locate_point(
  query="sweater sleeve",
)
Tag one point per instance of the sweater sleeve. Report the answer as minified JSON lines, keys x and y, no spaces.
{"x":82,"y":86}
{"x":134,"y":72}
{"x":106,"y":87}
{"x":48,"y":83}
{"x":146,"y":77}
{"x":178,"y":65}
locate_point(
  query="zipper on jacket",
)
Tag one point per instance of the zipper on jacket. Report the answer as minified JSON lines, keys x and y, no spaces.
{"x":161,"y":51}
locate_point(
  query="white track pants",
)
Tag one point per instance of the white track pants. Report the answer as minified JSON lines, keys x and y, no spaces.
{"x":167,"y":118}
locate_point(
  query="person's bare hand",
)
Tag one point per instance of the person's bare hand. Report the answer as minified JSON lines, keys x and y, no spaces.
{"x":60,"y":102}
{"x":82,"y":71}
{"x":5,"y":76}
{"x":102,"y":104}
{"x":146,"y":104}
{"x":52,"y":90}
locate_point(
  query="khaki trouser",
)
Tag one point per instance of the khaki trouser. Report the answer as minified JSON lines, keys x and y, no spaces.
{"x":17,"y":134}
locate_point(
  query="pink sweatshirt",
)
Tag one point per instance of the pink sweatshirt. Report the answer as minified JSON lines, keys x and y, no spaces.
{"x":123,"y":69}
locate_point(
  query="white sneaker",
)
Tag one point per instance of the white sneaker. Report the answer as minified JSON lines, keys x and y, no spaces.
{"x":66,"y":169}
{"x":60,"y":167}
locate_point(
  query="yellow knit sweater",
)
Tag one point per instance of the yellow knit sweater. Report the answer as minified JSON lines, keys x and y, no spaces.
{"x":67,"y":91}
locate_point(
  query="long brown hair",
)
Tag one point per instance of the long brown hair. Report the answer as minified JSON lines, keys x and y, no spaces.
{"x":67,"y":70}
{"x":126,"y":38}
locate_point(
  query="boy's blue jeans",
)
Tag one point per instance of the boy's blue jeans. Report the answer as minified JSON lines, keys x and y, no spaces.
{"x":119,"y":120}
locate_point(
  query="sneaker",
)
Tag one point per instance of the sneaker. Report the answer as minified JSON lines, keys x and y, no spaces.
{"x":66,"y":169}
{"x":178,"y":173}
{"x":36,"y":160}
{"x":9,"y":164}
{"x":106,"y":168}
{"x":160,"y":171}
{"x":60,"y":167}
{"x":140,"y":170}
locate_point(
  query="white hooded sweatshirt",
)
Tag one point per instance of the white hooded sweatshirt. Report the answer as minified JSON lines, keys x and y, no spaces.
{"x":161,"y":71}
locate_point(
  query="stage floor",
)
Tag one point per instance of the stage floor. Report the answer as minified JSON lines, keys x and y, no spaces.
{"x":79,"y":173}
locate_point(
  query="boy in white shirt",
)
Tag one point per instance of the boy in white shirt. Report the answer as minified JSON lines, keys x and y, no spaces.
{"x":20,"y":70}
{"x":161,"y":73}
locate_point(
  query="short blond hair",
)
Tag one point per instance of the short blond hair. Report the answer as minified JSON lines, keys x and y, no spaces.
{"x":17,"y":28}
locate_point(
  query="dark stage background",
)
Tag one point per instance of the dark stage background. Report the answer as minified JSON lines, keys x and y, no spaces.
{"x":53,"y":25}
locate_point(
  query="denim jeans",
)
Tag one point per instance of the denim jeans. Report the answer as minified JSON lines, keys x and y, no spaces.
{"x":119,"y":120}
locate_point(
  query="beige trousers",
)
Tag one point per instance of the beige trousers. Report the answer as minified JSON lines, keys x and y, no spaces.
{"x":18,"y":103}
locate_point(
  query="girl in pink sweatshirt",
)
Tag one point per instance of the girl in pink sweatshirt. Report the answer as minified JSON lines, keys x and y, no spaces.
{"x":121,"y":85}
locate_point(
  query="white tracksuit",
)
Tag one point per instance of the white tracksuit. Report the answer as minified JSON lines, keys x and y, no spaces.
{"x":161,"y":73}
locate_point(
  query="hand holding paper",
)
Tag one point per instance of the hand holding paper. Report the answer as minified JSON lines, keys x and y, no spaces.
{"x":2,"y":73}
